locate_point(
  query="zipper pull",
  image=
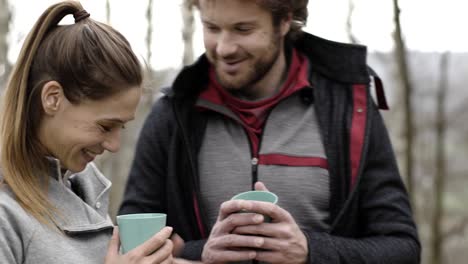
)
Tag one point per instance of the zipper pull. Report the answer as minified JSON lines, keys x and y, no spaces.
{"x":254,"y":163}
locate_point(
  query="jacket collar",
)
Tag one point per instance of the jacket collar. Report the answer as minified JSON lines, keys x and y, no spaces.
{"x":82,"y":201}
{"x":338,"y":61}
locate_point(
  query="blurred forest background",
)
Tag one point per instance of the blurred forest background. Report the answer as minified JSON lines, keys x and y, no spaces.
{"x":425,"y":87}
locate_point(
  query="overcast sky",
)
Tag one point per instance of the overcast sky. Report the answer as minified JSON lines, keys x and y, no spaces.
{"x":429,"y":25}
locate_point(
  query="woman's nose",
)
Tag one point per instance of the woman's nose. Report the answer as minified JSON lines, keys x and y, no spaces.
{"x":112,"y":141}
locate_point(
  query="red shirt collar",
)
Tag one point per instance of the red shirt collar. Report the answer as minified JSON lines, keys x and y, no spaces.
{"x":297,"y":79}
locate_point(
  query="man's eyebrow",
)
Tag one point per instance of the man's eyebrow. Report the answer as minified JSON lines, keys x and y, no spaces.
{"x":117,"y":120}
{"x":205,"y":21}
{"x":247,"y":22}
{"x":240,"y":23}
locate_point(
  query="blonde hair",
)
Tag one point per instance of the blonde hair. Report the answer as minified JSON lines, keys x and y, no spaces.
{"x":89,"y":59}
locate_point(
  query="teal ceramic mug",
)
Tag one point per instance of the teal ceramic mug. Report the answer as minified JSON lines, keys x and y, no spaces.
{"x":135,"y":229}
{"x":262,"y":196}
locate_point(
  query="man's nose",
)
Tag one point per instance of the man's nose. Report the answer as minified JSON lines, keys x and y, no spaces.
{"x":226,"y":45}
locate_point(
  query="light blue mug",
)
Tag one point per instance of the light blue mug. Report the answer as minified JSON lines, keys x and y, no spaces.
{"x":135,"y":229}
{"x":262,"y":196}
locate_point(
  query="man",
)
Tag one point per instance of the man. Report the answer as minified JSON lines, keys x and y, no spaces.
{"x":270,"y":107}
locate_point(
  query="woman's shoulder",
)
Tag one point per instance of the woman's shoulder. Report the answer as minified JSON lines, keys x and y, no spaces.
{"x":12,"y":214}
{"x":16,"y":227}
{"x":7,"y":198}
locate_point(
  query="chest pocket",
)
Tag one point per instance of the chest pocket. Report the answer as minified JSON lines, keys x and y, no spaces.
{"x":292,"y":163}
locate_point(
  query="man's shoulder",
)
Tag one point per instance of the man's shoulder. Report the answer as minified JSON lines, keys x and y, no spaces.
{"x":191,"y":80}
{"x":338,"y":61}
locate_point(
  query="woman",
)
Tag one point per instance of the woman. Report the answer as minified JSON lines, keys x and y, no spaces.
{"x":71,"y":92}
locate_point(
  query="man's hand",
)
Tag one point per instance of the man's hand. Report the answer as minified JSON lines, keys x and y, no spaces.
{"x":284,"y":241}
{"x":157,"y":250}
{"x":184,"y":261}
{"x":223,"y":246}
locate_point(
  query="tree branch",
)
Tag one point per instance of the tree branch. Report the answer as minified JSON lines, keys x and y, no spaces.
{"x":349,"y":23}
{"x":456,"y":229}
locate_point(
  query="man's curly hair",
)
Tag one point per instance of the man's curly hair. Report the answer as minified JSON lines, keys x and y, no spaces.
{"x":280,"y":10}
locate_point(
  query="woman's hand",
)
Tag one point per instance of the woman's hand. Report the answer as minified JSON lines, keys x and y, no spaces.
{"x":157,"y":250}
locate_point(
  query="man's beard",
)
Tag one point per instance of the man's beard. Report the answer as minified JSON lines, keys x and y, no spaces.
{"x":241,"y":85}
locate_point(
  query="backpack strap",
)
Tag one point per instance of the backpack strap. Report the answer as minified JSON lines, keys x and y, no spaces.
{"x":379,"y":89}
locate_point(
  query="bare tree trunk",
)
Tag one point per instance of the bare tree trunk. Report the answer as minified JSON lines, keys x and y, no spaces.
{"x":349,"y":23}
{"x":108,"y":12}
{"x":5,"y":17}
{"x":116,"y":166}
{"x":110,"y":162}
{"x":187,"y":31}
{"x":402,"y":62}
{"x":149,"y":32}
{"x":148,"y":87}
{"x":440,"y":177}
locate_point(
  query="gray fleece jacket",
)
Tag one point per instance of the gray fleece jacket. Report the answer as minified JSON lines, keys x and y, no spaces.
{"x":83,"y":232}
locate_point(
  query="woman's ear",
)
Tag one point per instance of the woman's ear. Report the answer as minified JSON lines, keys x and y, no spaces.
{"x":52,"y":97}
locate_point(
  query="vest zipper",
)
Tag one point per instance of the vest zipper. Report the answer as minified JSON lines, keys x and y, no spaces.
{"x":255,"y":156}
{"x":254,"y":163}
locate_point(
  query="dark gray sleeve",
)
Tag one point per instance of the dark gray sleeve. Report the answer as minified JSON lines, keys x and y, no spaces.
{"x":193,"y":249}
{"x":387,"y":232}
